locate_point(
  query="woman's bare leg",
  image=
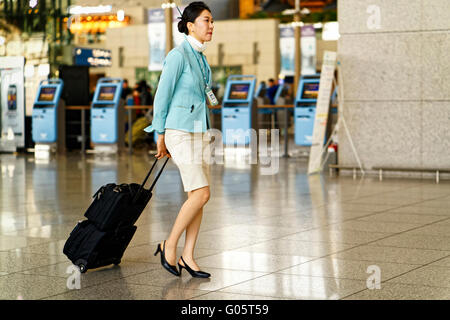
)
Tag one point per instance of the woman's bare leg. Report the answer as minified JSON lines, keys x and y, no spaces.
{"x":188,"y":212}
{"x":191,"y":238}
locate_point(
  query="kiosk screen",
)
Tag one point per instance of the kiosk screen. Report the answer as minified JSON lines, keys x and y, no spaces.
{"x":12,"y":97}
{"x":47,"y":94}
{"x":239,"y":91}
{"x":310,"y":91}
{"x":107,"y":93}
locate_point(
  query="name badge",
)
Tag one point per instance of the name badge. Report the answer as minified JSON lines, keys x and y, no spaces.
{"x":211,"y":97}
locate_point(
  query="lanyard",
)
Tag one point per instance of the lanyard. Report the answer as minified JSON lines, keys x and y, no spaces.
{"x":202,"y":66}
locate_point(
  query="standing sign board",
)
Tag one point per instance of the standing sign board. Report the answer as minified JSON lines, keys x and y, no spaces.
{"x":12,"y":101}
{"x":322,"y":108}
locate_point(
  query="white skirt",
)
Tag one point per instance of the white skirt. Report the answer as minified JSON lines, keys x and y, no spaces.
{"x":191,"y":153}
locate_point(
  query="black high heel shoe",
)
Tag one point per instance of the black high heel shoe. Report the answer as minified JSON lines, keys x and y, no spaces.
{"x":172,"y":269}
{"x":193,"y":273}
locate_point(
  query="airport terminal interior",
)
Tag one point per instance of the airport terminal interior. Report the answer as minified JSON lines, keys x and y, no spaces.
{"x":330,"y":178}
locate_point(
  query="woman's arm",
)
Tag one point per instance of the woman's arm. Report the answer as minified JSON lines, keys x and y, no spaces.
{"x":172,"y":70}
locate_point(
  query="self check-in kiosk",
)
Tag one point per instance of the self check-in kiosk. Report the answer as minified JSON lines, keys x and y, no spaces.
{"x":108,"y":116}
{"x":305,"y":109}
{"x":48,"y":117}
{"x":239,"y":110}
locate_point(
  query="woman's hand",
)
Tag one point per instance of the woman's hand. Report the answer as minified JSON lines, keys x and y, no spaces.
{"x":161,"y":148}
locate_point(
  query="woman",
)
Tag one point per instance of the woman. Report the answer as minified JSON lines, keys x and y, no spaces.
{"x":180,"y":110}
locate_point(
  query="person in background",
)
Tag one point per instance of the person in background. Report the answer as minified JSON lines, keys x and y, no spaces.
{"x":145,"y":93}
{"x":126,"y":90}
{"x":136,"y":96}
{"x":272,"y":90}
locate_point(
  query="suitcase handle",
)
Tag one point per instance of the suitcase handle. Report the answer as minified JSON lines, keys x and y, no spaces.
{"x":138,"y":194}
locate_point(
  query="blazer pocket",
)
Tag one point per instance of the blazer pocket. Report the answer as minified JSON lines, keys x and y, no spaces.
{"x":190,"y":109}
{"x":183,"y":107}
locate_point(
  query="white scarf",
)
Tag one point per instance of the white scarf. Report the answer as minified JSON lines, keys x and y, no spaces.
{"x":197,"y":45}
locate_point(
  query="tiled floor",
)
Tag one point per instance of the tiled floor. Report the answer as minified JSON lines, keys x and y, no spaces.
{"x":282,"y":236}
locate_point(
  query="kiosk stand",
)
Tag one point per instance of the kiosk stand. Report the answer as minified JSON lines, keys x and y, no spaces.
{"x":239,"y":110}
{"x":12,"y":104}
{"x":305,"y":109}
{"x":108,"y":117}
{"x":48,"y":119}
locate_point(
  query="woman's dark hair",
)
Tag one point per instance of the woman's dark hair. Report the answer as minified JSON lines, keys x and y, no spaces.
{"x":192,"y":11}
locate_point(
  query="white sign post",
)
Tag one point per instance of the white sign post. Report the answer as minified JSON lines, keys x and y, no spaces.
{"x":322,"y":109}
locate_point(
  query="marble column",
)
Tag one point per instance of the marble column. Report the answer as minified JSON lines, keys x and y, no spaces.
{"x":395,"y":65}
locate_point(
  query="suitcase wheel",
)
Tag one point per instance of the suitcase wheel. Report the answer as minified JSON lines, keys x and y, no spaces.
{"x":82,"y":267}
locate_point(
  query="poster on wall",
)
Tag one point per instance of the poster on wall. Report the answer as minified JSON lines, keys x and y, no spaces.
{"x":287,"y":50}
{"x":12,"y":103}
{"x":157,"y":36}
{"x":308,"y":45}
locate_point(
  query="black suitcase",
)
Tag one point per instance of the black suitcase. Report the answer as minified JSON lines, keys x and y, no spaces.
{"x":90,"y":248}
{"x":102,"y":239}
{"x":120,"y":205}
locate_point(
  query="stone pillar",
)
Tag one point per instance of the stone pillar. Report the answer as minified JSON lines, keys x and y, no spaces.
{"x":395,"y":67}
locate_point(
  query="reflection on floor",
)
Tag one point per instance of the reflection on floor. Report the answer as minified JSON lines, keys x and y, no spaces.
{"x":280,"y":236}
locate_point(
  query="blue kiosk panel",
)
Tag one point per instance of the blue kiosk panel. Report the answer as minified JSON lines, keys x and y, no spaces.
{"x":45,"y":111}
{"x":104,"y":112}
{"x":305,"y":110}
{"x":238,"y":110}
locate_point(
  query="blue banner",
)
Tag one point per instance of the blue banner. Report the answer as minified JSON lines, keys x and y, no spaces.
{"x":92,"y":57}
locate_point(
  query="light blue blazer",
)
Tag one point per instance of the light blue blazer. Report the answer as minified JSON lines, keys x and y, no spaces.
{"x":180,"y":98}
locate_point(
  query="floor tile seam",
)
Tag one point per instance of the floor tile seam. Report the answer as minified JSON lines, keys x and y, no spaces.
{"x":420,"y":267}
{"x":418,"y":214}
{"x":389,"y":192}
{"x":396,"y":205}
{"x":341,"y":251}
{"x":43,"y":254}
{"x":156,"y":285}
{"x":58,"y":277}
{"x":87,"y":287}
{"x":399,"y":233}
{"x":43,"y":266}
{"x":316,"y":258}
{"x":380,"y":193}
{"x":272,"y":273}
{"x":31,"y":253}
{"x":242,"y":294}
{"x":387,"y":281}
{"x":392,"y":246}
{"x":382,"y":221}
{"x":242,"y":282}
{"x":106,"y":281}
{"x":322,"y":276}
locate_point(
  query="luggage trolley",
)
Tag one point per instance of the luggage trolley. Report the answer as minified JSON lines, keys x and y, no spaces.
{"x":239,"y":110}
{"x":48,"y":118}
{"x":108,"y":116}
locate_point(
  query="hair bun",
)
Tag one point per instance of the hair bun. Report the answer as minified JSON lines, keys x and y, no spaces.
{"x":182,"y":26}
